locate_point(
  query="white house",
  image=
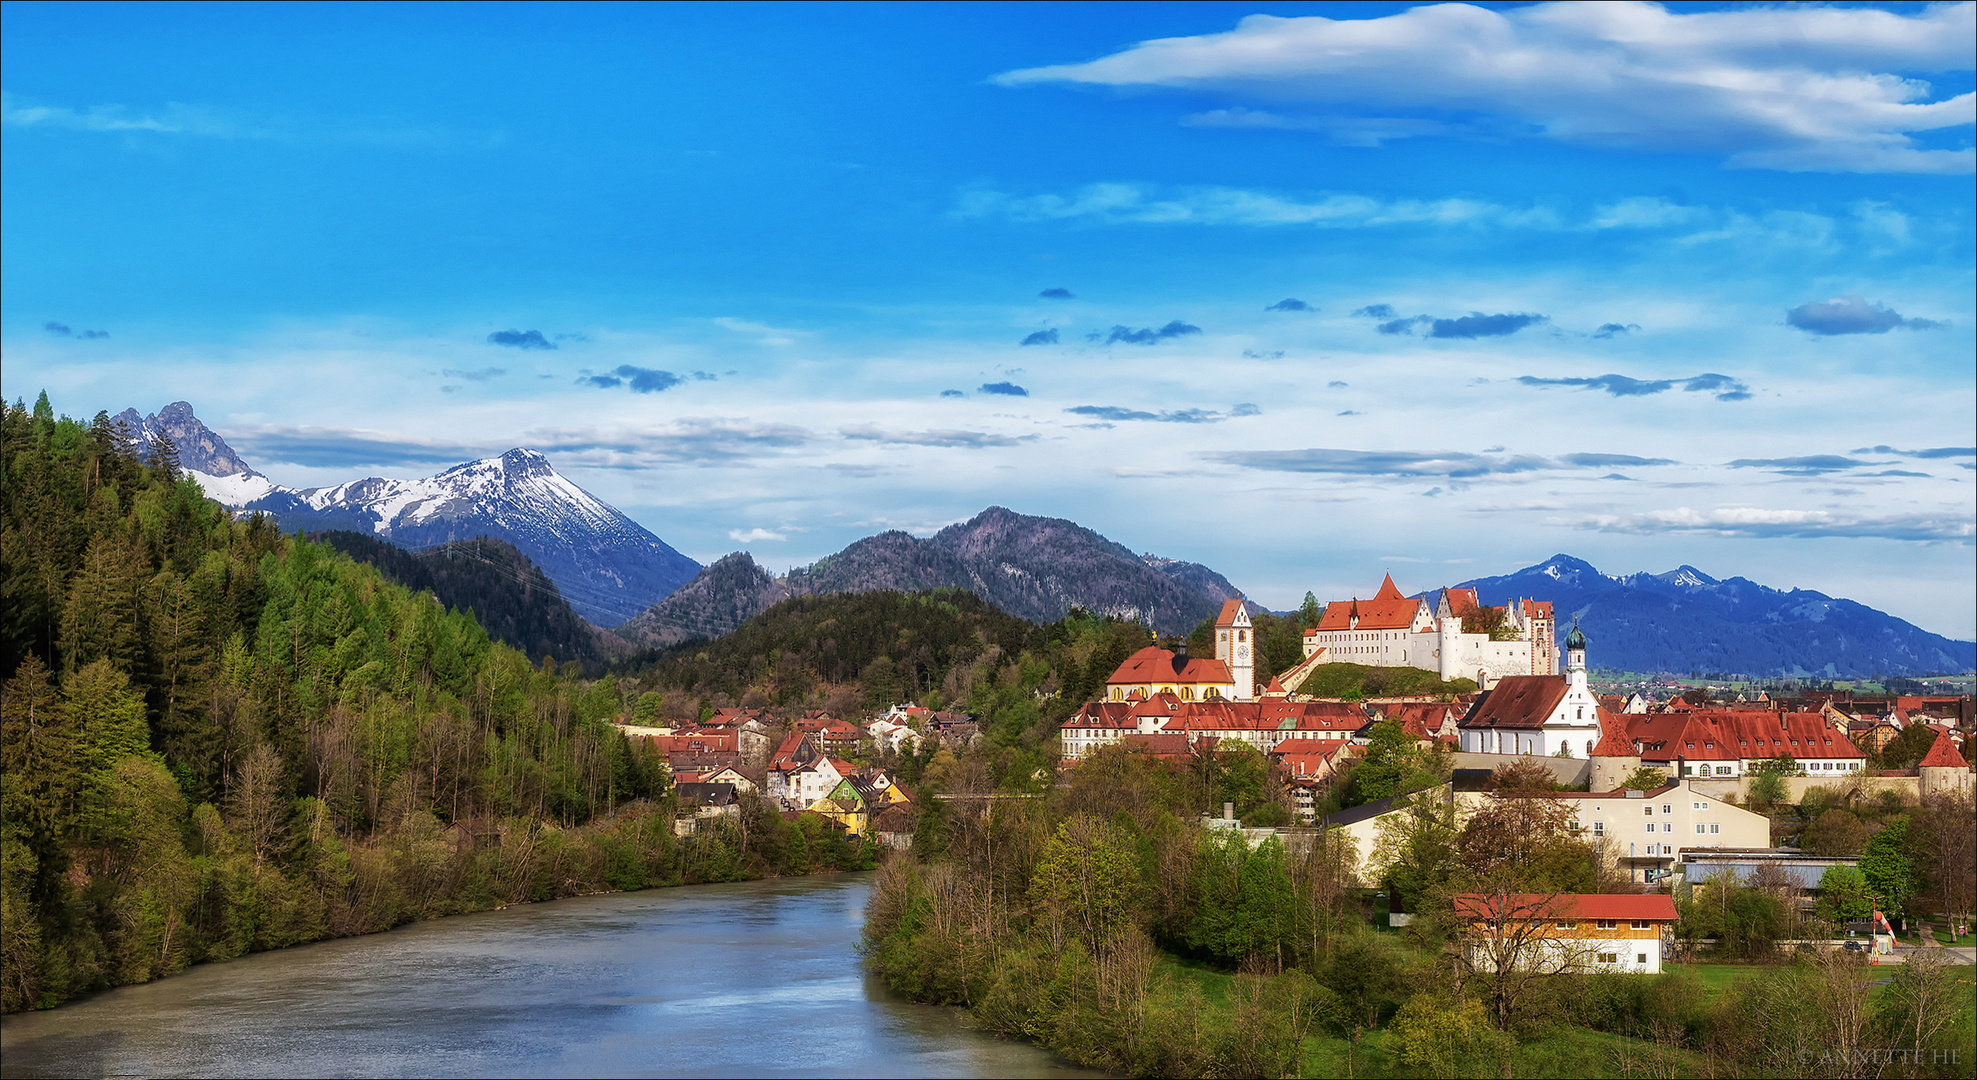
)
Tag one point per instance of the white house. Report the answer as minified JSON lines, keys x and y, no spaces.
{"x":1539,"y":715}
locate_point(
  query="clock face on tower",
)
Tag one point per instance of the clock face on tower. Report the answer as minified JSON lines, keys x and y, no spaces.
{"x":1242,"y":652}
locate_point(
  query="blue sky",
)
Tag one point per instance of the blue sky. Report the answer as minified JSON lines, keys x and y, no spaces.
{"x":1644,"y":284}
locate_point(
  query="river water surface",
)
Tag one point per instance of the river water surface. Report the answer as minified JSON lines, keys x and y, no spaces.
{"x":749,"y":979}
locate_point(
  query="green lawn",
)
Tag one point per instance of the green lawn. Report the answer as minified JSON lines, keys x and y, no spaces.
{"x":1718,"y":977}
{"x":1966,"y":941}
{"x":1568,"y":1052}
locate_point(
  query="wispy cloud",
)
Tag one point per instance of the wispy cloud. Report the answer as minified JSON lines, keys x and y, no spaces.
{"x":1178,"y":416}
{"x":520,"y":339}
{"x":1122,"y":203}
{"x":1007,"y":389}
{"x":1764,"y":522}
{"x":762,"y":332}
{"x":174,"y":119}
{"x":946,"y":437}
{"x":1055,"y":294}
{"x":753,"y":535}
{"x":1852,"y":315}
{"x":342,"y":447}
{"x":1473,"y":325}
{"x":1041,"y":337}
{"x":1614,"y":329}
{"x":1723,"y":387}
{"x":641,"y":380}
{"x":721,"y":441}
{"x":1290,"y":303}
{"x":1804,"y":465}
{"x":1126,"y":335}
{"x":479,"y":375}
{"x":1932,"y":452}
{"x":67,"y":331}
{"x":1793,"y":88}
{"x":1449,"y":464}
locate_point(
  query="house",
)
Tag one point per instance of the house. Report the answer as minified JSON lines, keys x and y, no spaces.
{"x":745,"y":780}
{"x":1721,"y":742}
{"x":891,"y":737}
{"x":1154,"y":670}
{"x":1650,"y":832}
{"x":834,"y":735}
{"x":1261,"y":724}
{"x":1563,"y":932}
{"x":799,"y":773}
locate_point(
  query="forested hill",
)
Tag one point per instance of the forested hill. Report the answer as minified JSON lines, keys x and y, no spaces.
{"x":511,"y":598}
{"x":945,"y":647}
{"x":216,"y":739}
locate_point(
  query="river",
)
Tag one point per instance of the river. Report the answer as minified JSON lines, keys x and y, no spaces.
{"x":754,"y":978}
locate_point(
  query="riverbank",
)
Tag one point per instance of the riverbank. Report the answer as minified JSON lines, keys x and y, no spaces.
{"x":420,"y":871}
{"x":748,"y":978}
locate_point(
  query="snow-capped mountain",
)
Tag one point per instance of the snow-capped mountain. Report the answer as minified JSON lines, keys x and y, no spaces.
{"x":606,"y":565}
{"x":1685,"y":620}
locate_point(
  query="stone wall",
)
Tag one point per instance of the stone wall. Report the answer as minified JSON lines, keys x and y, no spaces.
{"x":1908,"y":787}
{"x":1570,"y":772}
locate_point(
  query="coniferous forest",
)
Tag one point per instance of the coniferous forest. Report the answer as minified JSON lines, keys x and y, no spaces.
{"x":220,"y":739}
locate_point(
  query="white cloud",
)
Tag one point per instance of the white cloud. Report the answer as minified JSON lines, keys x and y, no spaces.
{"x":1769,"y":522}
{"x":1120,"y":203}
{"x":1798,"y":88}
{"x":755,"y":534}
{"x":766,"y":334}
{"x":174,"y":119}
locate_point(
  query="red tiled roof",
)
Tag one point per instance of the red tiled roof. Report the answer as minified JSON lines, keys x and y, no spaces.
{"x":1388,"y":610}
{"x":1462,"y":601}
{"x":1730,"y":735}
{"x":1518,"y":701}
{"x":1655,"y":907}
{"x":1942,"y":753}
{"x":1230,"y":609}
{"x":1154,"y":664}
{"x":1538,"y":607}
{"x":1613,"y":741}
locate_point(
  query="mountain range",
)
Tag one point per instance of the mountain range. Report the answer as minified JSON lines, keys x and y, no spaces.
{"x":606,"y":565}
{"x":615,"y":573}
{"x":1685,"y":621}
{"x":1036,"y":568}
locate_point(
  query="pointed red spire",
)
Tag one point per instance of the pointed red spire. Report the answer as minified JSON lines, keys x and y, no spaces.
{"x":1388,"y":590}
{"x":1942,"y":753}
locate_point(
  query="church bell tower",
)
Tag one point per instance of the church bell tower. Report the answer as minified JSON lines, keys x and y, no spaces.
{"x":1235,"y":646}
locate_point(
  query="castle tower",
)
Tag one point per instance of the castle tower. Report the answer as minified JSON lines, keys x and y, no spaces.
{"x":1235,"y":647}
{"x":1942,"y":769}
{"x":1575,"y":658}
{"x":1448,"y":641}
{"x":1614,"y":758}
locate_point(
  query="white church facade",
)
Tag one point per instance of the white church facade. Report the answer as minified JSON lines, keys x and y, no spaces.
{"x":1392,"y":630}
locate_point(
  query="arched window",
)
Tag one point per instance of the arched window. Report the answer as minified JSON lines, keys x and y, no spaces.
{"x":1187,"y":694}
{"x":1242,"y":635}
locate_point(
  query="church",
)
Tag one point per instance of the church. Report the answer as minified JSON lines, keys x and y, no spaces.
{"x":1392,"y":630}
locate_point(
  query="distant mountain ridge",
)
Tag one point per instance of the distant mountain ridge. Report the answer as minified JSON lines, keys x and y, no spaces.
{"x":1686,"y":621}
{"x":1035,"y":568}
{"x":606,"y":565}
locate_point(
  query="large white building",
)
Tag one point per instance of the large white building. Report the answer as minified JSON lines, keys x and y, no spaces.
{"x":1392,"y":630}
{"x":1540,"y":715}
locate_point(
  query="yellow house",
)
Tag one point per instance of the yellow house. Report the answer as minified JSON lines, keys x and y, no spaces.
{"x":1155,"y":670}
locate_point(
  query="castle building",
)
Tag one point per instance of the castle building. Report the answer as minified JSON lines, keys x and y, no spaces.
{"x":1392,"y":630}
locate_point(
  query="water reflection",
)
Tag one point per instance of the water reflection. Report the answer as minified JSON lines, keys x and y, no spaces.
{"x":748,"y":979}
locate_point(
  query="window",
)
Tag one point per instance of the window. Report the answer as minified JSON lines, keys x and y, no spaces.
{"x":1648,"y":810}
{"x":1667,"y":809}
{"x":1722,"y":770}
{"x":1609,"y":924}
{"x":1643,"y":924}
{"x":1715,"y":828}
{"x":1640,"y":958}
{"x":1567,"y":924}
{"x":1650,"y":827}
{"x":1599,"y":828}
{"x":1698,"y":806}
{"x":1609,"y":958}
{"x":1699,"y":829}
